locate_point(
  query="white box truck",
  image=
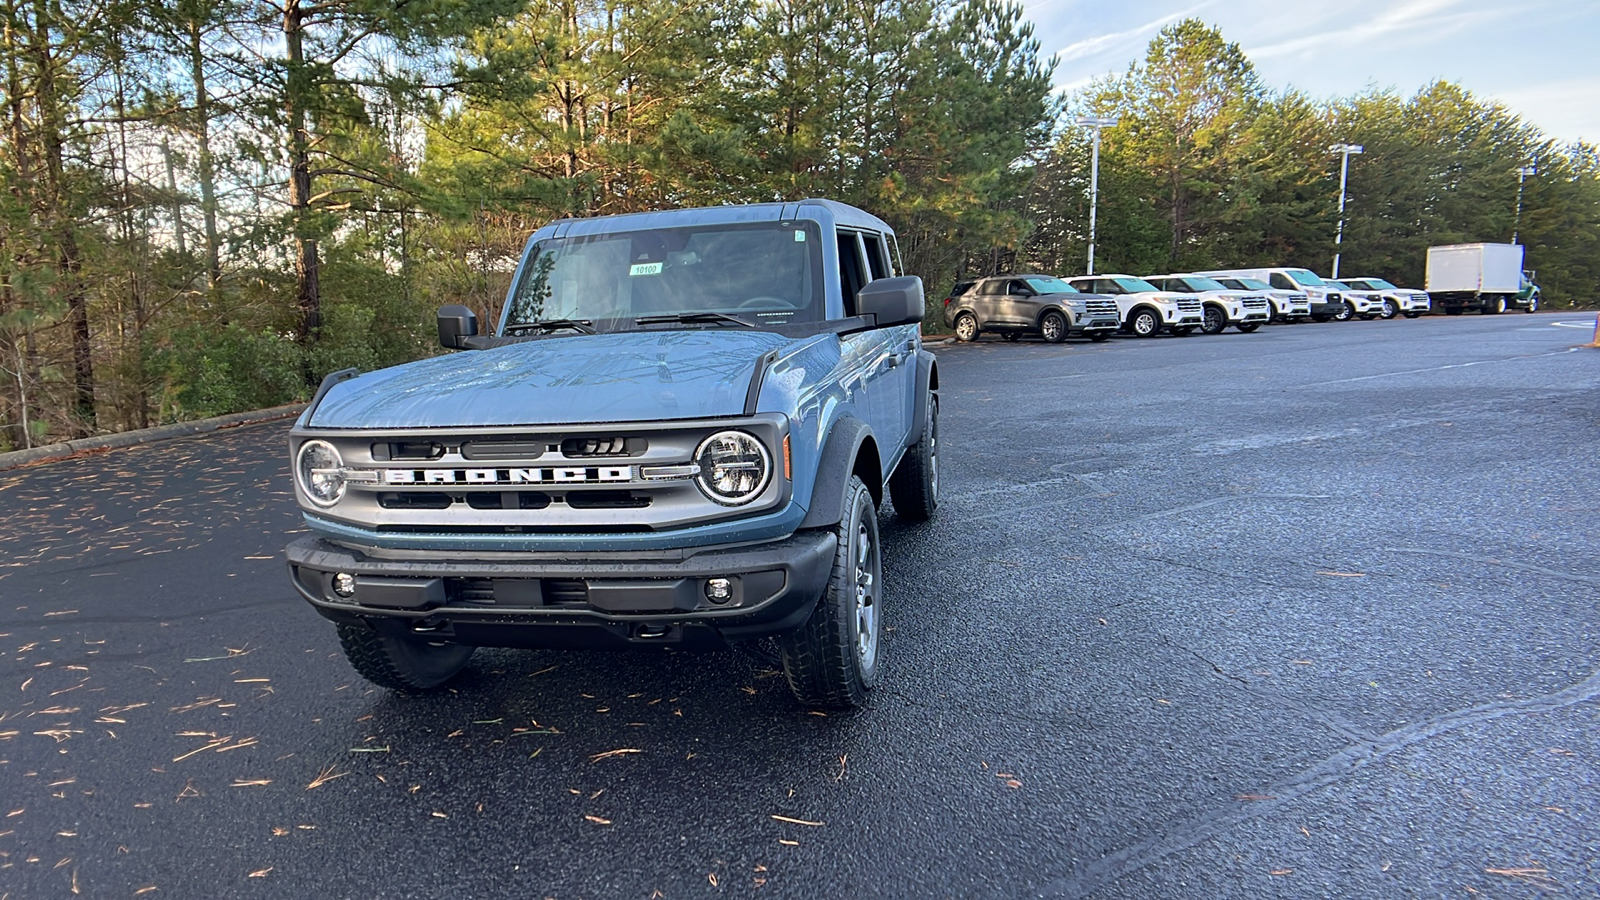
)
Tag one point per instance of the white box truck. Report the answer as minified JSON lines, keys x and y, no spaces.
{"x":1485,"y":277}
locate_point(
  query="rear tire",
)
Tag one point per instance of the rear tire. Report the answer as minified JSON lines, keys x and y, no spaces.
{"x":405,"y":664}
{"x":1053,"y":327}
{"x":831,"y":661}
{"x":966,"y":327}
{"x":914,"y":486}
{"x":1248,"y":327}
{"x":1412,"y":315}
{"x":1494,"y":306}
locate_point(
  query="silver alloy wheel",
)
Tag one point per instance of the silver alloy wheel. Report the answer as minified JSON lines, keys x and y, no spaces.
{"x":966,"y":327}
{"x":1051,"y":327}
{"x":866,"y":599}
{"x":1390,"y":310}
{"x":1145,"y":323}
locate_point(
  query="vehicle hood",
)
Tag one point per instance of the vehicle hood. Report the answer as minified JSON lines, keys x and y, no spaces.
{"x":619,"y":377}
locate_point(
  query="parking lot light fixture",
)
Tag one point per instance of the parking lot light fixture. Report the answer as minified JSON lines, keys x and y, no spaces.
{"x":1097,"y":123}
{"x":1522,"y":174}
{"x":1344,"y":151}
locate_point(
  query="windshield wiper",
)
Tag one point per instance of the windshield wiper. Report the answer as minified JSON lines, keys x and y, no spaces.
{"x":690,"y":317}
{"x":582,"y":326}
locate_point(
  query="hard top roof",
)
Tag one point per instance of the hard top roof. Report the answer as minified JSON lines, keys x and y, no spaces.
{"x":814,"y":209}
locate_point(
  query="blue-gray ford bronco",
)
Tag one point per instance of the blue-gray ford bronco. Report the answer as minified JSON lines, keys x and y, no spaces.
{"x":679,"y":436}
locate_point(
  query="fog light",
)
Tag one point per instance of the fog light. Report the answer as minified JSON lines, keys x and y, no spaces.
{"x":344,"y":584}
{"x":719,"y":590}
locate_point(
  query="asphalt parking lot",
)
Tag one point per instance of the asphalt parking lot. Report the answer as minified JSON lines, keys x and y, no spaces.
{"x":1307,"y":612}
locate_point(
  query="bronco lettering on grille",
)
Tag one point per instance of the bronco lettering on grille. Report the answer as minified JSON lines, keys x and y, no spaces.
{"x":560,"y":475}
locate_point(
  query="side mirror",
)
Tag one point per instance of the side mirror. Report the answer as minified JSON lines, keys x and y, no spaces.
{"x":456,"y":323}
{"x":892,"y":301}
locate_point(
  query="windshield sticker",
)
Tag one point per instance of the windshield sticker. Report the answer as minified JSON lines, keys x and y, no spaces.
{"x":799,"y":237}
{"x":645,"y":269}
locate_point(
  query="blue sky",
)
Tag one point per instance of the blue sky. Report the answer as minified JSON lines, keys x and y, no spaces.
{"x":1536,"y":56}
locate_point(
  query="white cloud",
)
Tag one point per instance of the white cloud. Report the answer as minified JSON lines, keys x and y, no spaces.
{"x":1134,"y":36}
{"x":1419,"y":21}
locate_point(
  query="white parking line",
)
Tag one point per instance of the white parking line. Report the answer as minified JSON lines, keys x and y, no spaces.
{"x":1573,"y":324}
{"x":1481,"y":362}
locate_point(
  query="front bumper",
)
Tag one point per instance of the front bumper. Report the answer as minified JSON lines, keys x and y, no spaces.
{"x":1093,"y":324}
{"x":558,"y":601}
{"x":1326,"y":307}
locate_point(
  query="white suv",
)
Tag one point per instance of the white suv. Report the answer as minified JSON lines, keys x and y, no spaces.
{"x":1287,"y":305}
{"x":1146,"y":309}
{"x":1365,"y":304}
{"x":1412,"y":303}
{"x":1221,"y":307}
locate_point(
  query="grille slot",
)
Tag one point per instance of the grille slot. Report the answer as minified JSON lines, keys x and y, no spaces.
{"x":607,"y":500}
{"x":508,"y":500}
{"x":479,"y":591}
{"x":414,"y":500}
{"x":386,"y":450}
{"x":511,"y":448}
{"x":562,"y":590}
{"x":603,"y":446}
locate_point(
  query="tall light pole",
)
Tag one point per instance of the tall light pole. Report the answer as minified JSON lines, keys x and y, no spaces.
{"x":1097,"y":123}
{"x":1522,"y":173}
{"x":1344,"y":150}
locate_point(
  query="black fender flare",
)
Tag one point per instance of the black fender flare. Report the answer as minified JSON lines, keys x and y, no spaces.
{"x":927,"y":382}
{"x":835,"y":465}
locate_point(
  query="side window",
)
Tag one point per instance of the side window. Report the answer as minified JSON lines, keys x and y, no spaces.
{"x":1106,"y":286}
{"x":894,"y":256}
{"x":1018,"y":289}
{"x":1281,"y":281}
{"x":877,"y":258}
{"x":992,"y":286}
{"x":851,"y":272}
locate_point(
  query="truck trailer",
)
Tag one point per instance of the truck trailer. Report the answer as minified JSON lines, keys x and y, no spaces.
{"x":1485,"y":277}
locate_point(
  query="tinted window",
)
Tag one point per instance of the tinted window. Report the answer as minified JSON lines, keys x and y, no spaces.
{"x":877,"y":260}
{"x":961,"y":287}
{"x":1133,"y":285}
{"x":1044,"y":284}
{"x":992,"y":286}
{"x":852,"y":277}
{"x":1281,"y":281}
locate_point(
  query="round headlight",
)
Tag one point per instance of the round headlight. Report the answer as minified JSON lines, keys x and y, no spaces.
{"x":734,"y":467}
{"x":320,"y":470}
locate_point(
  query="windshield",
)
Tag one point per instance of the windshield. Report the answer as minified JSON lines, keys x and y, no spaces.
{"x":1134,"y":285}
{"x":1304,"y":277}
{"x":1378,"y":284}
{"x":1044,"y":284}
{"x":764,"y":272}
{"x":1338,"y":285}
{"x":1250,"y":284}
{"x":1202,"y":283}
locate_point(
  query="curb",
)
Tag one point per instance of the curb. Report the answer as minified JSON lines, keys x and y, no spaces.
{"x":101,"y":443}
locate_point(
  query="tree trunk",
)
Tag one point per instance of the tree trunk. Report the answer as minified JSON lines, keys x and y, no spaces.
{"x":207,"y":165}
{"x":308,"y":293}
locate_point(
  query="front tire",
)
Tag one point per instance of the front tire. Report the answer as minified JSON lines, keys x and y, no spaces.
{"x":1053,"y":327}
{"x":1533,"y":304}
{"x":1145,"y":323}
{"x":1214,"y":321}
{"x":831,"y":661}
{"x":1248,"y":327}
{"x":966,"y":327}
{"x":1345,"y":313}
{"x":914,"y":486}
{"x":1390,"y":309}
{"x":401,"y":663}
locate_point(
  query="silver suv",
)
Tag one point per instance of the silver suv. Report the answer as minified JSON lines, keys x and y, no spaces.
{"x":1146,"y":309}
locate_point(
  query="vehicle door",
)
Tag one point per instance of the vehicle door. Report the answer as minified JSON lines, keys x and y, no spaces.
{"x":885,"y":356}
{"x":1020,"y":306}
{"x":989,"y":297}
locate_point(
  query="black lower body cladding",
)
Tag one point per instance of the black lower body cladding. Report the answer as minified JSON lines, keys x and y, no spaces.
{"x":591,"y":601}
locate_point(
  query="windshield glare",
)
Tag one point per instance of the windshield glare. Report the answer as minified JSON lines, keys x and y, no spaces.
{"x":1380,"y":285}
{"x":1250,"y":284}
{"x":1304,"y":277}
{"x":1045,"y":284}
{"x":1202,"y":283}
{"x":764,"y":272}
{"x":1134,"y":285}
